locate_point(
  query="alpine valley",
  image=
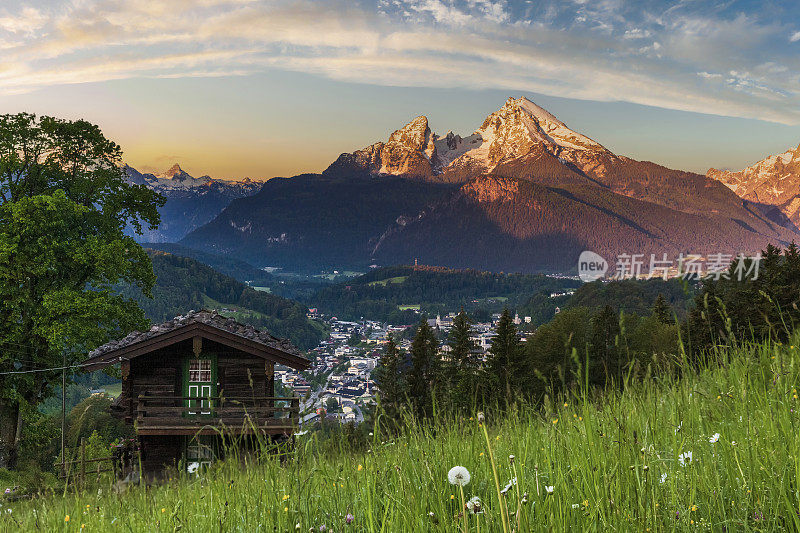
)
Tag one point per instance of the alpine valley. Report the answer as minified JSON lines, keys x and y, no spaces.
{"x":523,"y":193}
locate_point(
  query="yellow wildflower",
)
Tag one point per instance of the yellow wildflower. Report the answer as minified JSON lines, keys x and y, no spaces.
{"x":360,"y":468}
{"x":66,"y":518}
{"x":555,"y":421}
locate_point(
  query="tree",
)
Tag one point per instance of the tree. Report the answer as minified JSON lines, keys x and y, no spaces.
{"x":557,"y":352}
{"x":751,"y":301}
{"x":605,"y":363}
{"x":662,"y":310}
{"x":464,"y":362}
{"x":506,"y":360}
{"x":424,"y":378}
{"x":390,"y":379}
{"x":64,"y":207}
{"x":331,"y":405}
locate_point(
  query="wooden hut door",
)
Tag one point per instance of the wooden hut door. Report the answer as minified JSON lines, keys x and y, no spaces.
{"x":200,"y":384}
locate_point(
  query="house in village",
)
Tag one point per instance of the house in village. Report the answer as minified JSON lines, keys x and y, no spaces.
{"x":192,"y":382}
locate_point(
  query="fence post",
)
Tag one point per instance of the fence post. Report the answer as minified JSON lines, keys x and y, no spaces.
{"x":295,"y":411}
{"x":83,"y":461}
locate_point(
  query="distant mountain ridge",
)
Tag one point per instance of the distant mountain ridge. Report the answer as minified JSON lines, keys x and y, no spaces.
{"x":524,"y":192}
{"x":774,"y":181}
{"x":191,"y":202}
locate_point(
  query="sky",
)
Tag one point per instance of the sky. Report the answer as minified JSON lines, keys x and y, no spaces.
{"x":260,"y":88}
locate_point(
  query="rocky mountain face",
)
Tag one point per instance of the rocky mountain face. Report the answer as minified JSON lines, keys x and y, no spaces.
{"x":523,"y":192}
{"x":191,"y":202}
{"x":773,"y":181}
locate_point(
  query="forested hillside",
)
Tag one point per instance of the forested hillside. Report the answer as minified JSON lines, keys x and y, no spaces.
{"x":385,"y":292}
{"x":183,"y":284}
{"x":635,"y":296}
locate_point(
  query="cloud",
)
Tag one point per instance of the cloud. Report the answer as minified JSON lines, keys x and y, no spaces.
{"x":794,"y":37}
{"x":684,"y":55}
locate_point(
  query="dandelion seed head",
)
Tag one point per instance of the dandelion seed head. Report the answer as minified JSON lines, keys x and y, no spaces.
{"x":474,"y":505}
{"x":458,"y":475}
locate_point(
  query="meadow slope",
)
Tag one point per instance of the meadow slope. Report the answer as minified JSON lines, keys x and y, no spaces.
{"x":714,"y":450}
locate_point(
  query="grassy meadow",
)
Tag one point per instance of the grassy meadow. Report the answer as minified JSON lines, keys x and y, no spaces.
{"x":716,"y":450}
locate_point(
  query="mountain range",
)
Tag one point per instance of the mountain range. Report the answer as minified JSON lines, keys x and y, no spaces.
{"x":772,"y":181}
{"x":523,"y":192}
{"x":191,"y":202}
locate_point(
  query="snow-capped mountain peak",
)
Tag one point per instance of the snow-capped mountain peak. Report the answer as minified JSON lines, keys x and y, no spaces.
{"x":518,"y":128}
{"x":176,"y":173}
{"x":514,"y":131}
{"x":774,"y":180}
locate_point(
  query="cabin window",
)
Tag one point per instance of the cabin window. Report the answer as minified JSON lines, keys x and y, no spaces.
{"x":199,"y":453}
{"x":200,"y":370}
{"x":199,"y":386}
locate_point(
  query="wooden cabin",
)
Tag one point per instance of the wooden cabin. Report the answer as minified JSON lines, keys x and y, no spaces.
{"x":190,"y":383}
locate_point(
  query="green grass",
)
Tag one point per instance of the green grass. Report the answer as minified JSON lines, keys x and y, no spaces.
{"x":240,"y":313}
{"x":604,"y":458}
{"x":113,"y":389}
{"x":384,"y":282}
{"x":414,"y":307}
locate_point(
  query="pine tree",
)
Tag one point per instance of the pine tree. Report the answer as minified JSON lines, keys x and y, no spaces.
{"x":390,"y":375}
{"x":506,"y":360}
{"x":606,"y":358}
{"x":424,"y":378}
{"x":464,"y":363}
{"x":662,"y":310}
{"x":390,"y":379}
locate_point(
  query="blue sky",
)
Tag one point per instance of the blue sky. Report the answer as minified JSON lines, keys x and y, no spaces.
{"x":264,"y":88}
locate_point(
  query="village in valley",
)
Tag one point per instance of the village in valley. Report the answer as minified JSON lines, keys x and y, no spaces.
{"x":339,"y":387}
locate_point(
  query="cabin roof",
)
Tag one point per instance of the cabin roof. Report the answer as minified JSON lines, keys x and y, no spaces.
{"x":207,"y":324}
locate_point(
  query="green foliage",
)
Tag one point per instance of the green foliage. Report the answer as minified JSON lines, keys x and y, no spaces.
{"x":425,"y":378}
{"x":613,"y":463}
{"x":93,"y":417}
{"x":506,"y":365}
{"x":730,"y":309}
{"x":634,"y":296}
{"x":183,"y":284}
{"x":435,"y":289}
{"x":583,"y":347}
{"x":64,"y":206}
{"x":235,"y":268}
{"x":465,"y":382}
{"x":390,"y":377}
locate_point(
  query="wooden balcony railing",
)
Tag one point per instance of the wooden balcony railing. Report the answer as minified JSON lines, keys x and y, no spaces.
{"x":191,"y":415}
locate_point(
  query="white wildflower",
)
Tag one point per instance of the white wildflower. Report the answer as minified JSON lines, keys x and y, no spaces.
{"x":576,"y":506}
{"x":663,"y":478}
{"x":714,"y":438}
{"x":458,"y":475}
{"x":685,"y":458}
{"x":474,"y":505}
{"x":511,"y":483}
{"x":549,"y":489}
{"x":193,"y":467}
